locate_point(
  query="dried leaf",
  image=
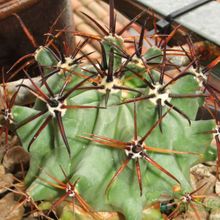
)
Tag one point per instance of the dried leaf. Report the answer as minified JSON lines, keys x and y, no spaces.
{"x":6,"y":206}
{"x":15,"y":157}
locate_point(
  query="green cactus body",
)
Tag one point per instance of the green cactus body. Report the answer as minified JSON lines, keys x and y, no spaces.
{"x":110,"y":40}
{"x":95,"y":164}
{"x":153,"y":56}
{"x":44,"y":57}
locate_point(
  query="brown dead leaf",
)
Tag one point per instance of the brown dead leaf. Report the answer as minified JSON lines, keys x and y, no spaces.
{"x":199,"y":175}
{"x":12,"y":141}
{"x":6,"y":180}
{"x":7,"y":205}
{"x":14,"y":157}
{"x":190,"y":214}
{"x":217,"y":188}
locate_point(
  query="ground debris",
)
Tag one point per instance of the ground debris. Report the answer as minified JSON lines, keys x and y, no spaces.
{"x":10,"y":209}
{"x":6,"y":180}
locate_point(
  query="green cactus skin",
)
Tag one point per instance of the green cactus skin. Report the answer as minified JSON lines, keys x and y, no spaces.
{"x":96,"y":164}
{"x":110,"y":40}
{"x":45,"y":57}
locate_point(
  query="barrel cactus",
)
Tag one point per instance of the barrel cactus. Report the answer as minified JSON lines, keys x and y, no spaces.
{"x":111,"y":135}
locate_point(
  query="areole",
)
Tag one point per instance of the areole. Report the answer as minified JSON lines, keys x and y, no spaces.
{"x":134,"y":150}
{"x":7,"y":115}
{"x":187,"y":198}
{"x":54,"y":105}
{"x":70,"y":190}
{"x":217,"y":132}
{"x":159,"y":95}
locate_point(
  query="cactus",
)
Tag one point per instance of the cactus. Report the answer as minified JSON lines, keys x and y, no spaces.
{"x":186,"y":201}
{"x":114,"y":130}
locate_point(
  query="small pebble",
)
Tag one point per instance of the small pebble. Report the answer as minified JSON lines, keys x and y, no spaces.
{"x":217,"y":188}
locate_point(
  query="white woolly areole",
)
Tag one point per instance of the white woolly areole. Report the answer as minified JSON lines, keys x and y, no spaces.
{"x":186,"y":198}
{"x":199,"y":76}
{"x":111,"y":39}
{"x":133,"y":155}
{"x":7,"y":115}
{"x":109,"y":85}
{"x":70,"y":191}
{"x":57,"y":108}
{"x":67,"y":66}
{"x":217,"y":132}
{"x":163,"y":97}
